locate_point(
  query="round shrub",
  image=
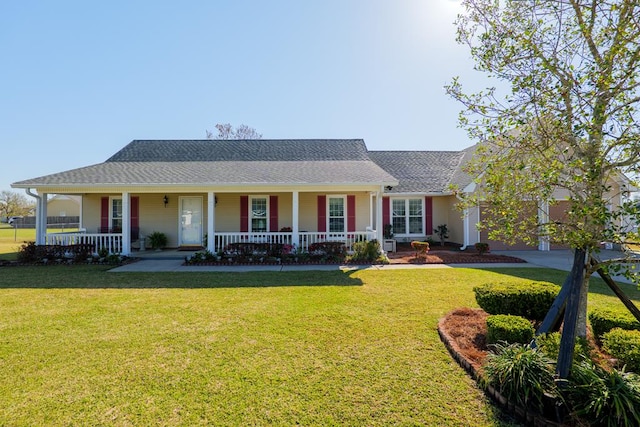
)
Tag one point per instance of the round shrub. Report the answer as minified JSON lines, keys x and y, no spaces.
{"x":603,"y":321}
{"x":624,"y":346}
{"x":531,"y":300}
{"x":511,"y":329}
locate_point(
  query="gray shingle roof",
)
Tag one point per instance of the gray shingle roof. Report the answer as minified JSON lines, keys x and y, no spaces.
{"x":232,"y":162}
{"x":242,"y":150}
{"x":218,"y":173}
{"x":267,"y":162}
{"x":420,"y":171}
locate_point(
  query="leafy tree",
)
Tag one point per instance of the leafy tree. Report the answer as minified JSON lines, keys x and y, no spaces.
{"x":567,"y":124}
{"x":227,"y":131}
{"x":14,"y":204}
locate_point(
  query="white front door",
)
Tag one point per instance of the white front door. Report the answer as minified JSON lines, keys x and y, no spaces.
{"x":190,"y":221}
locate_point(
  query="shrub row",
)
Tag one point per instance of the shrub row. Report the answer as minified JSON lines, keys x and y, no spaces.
{"x":624,"y":346}
{"x":602,"y":321}
{"x":530,"y":300}
{"x":508,"y":328}
{"x":30,"y":252}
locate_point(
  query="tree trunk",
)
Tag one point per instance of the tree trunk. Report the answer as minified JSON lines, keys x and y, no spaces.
{"x":581,"y":327}
{"x":569,"y":329}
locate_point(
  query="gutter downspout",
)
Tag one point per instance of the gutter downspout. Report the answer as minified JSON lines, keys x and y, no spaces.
{"x":38,"y":215}
{"x":465,"y":226}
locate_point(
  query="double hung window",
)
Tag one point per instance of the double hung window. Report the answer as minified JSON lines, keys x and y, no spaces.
{"x":337,"y":214}
{"x":115,"y":215}
{"x":407,"y":216}
{"x":259,"y":214}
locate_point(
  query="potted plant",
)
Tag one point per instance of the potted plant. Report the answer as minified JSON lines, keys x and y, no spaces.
{"x":157,"y":240}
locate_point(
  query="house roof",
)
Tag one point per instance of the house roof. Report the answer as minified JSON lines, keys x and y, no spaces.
{"x":287,"y":150}
{"x":227,"y":162}
{"x":422,"y":171}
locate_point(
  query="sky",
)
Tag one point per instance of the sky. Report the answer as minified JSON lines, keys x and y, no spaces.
{"x":81,"y":79}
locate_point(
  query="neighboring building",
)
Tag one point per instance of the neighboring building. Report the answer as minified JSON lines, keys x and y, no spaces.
{"x":286,"y":191}
{"x":64,"y":205}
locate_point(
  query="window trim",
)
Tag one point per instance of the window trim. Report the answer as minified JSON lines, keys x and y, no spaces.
{"x":250,"y":212}
{"x":111,"y":217}
{"x":407,"y":216}
{"x":344,"y":213}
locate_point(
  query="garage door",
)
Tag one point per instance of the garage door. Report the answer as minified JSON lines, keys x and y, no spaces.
{"x":496,"y":245}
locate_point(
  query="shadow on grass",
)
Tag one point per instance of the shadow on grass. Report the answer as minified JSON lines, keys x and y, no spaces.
{"x":596,"y":284}
{"x":98,"y":277}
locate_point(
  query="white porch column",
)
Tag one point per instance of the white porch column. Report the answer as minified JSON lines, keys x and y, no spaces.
{"x":379,"y":214}
{"x":41,"y":225}
{"x":295,"y":207}
{"x":80,"y":219}
{"x":126,"y":224}
{"x":211,"y":221}
{"x":371,"y":209}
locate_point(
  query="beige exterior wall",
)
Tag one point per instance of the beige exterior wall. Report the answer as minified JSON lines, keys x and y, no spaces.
{"x":454,"y":220}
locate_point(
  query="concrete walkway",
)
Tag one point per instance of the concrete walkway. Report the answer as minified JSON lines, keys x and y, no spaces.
{"x":172,"y":261}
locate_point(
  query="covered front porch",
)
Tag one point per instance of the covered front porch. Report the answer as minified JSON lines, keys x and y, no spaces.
{"x":119,"y":222}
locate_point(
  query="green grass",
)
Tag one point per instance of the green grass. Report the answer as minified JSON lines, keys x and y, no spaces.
{"x":83,"y":346}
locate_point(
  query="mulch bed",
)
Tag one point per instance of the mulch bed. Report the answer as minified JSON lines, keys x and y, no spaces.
{"x":446,"y":255}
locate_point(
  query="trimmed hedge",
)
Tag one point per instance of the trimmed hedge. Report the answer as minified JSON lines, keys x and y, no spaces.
{"x":530,"y":300}
{"x":508,"y":328}
{"x":625,"y":346}
{"x":603,"y":321}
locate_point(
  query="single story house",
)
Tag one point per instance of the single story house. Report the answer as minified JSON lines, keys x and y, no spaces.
{"x":214,"y":192}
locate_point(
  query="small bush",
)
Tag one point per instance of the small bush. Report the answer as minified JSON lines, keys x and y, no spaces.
{"x":603,"y":321}
{"x":420,"y":247}
{"x":368,"y":251}
{"x":521,"y":374}
{"x":531,"y":300}
{"x":511,"y":329}
{"x":482,"y":248}
{"x":601,"y":397}
{"x":157,"y":240}
{"x":624,"y":346}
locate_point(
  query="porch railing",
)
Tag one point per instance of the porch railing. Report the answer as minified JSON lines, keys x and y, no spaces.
{"x":305,"y":238}
{"x":110,"y":241}
{"x":113,"y":241}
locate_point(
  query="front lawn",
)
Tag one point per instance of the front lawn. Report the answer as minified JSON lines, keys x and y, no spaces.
{"x":82,"y":346}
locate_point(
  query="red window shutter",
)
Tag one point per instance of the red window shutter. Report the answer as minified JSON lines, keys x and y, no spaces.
{"x":244,"y":214}
{"x":428,"y":214}
{"x":135,"y":217}
{"x":104,"y":215}
{"x":351,"y":213}
{"x":386,"y":211}
{"x":322,"y":213}
{"x":273,"y":213}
